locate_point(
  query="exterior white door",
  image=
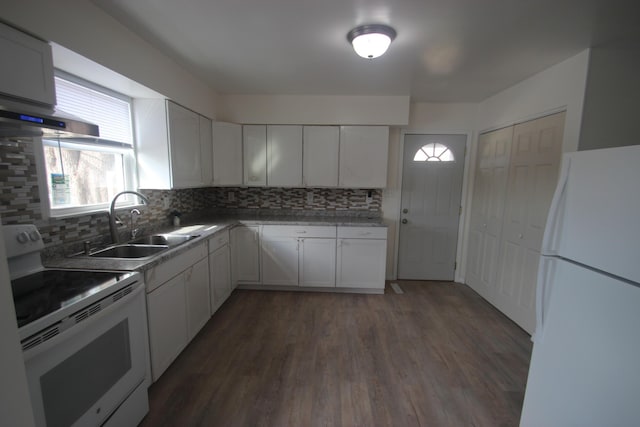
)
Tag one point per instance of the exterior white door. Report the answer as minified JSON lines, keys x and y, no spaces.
{"x":433,"y":168}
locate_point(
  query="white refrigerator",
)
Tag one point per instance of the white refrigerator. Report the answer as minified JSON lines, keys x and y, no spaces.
{"x":585,"y":365}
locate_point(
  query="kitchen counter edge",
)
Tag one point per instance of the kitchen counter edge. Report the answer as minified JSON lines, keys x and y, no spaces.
{"x":205,"y":231}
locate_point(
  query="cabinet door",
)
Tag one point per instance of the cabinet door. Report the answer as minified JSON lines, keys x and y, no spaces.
{"x":245,"y":247}
{"x":206,"y":150}
{"x":30,"y":74}
{"x":284,"y":156}
{"x":220,"y":277}
{"x":361,"y":263}
{"x":280,"y":261}
{"x":227,"y":154}
{"x":254,"y":144}
{"x":167,"y":313}
{"x":363,"y":156}
{"x":317,"y":261}
{"x":321,"y":150}
{"x":184,"y":142}
{"x":197,"y":291}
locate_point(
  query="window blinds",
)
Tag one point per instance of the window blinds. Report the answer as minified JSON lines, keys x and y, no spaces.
{"x":111,"y":114}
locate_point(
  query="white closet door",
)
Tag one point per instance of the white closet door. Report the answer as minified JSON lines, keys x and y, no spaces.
{"x":533,"y":174}
{"x":487,"y":209}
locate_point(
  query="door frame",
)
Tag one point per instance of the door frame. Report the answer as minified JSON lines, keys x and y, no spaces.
{"x":459,"y":273}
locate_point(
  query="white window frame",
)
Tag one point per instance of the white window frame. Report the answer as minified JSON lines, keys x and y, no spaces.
{"x":129,"y":163}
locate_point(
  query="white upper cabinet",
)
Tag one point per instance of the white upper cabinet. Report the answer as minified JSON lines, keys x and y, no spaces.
{"x":184,"y":140}
{"x":363,"y":156}
{"x":206,"y":150}
{"x":173,"y":145}
{"x":321,"y":151}
{"x":30,"y":76}
{"x":284,"y":156}
{"x":227,"y":154}
{"x":254,"y":144}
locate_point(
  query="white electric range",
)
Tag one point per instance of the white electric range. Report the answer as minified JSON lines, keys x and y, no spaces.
{"x":83,"y":335}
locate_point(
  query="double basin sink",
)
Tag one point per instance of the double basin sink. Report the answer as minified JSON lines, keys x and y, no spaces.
{"x":143,"y":247}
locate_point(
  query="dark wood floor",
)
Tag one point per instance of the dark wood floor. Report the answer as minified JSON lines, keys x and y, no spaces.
{"x":437,"y":355}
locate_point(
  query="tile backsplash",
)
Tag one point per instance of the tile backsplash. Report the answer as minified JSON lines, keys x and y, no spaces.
{"x":20,"y":202}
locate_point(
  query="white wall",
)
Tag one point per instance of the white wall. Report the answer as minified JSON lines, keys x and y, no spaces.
{"x":559,"y":87}
{"x":610,"y":117}
{"x":315,"y":109}
{"x":84,"y":28}
{"x":424,"y":118}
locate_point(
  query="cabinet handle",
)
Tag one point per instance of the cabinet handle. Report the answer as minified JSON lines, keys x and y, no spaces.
{"x":301,"y":232}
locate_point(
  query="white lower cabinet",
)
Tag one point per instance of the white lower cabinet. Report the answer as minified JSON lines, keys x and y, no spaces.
{"x":245,"y":255}
{"x":279,"y":260}
{"x":177,"y":305}
{"x":196,"y":280}
{"x":298,"y":255}
{"x":219,"y":270}
{"x":167,"y":314}
{"x":361,"y":257}
{"x":317,"y":262}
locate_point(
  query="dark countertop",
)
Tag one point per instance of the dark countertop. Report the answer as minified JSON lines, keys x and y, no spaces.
{"x":205,"y":228}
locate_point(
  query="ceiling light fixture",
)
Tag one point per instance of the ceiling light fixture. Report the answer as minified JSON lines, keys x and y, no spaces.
{"x":371,"y":41}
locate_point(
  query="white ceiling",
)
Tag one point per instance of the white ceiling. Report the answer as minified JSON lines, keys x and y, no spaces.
{"x":445,"y":51}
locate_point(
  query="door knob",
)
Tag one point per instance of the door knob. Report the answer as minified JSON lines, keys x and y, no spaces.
{"x":404,"y":221}
{"x":405,"y":210}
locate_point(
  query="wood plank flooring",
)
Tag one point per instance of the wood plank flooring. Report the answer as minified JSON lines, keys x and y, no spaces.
{"x":437,"y":355}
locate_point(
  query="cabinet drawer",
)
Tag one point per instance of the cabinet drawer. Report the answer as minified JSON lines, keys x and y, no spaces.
{"x":362,"y":232}
{"x":299,"y":231}
{"x":218,"y":240}
{"x":159,"y":274}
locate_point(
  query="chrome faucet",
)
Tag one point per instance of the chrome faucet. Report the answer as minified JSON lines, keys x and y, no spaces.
{"x":113,"y":221}
{"x":135,"y":213}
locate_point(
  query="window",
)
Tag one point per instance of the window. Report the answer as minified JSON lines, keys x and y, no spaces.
{"x":434,"y":152}
{"x":83,"y":174}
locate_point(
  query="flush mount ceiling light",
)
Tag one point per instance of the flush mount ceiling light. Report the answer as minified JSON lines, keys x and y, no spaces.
{"x":371,"y":41}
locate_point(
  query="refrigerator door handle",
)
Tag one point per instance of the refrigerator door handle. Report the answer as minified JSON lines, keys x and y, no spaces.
{"x":550,"y":237}
{"x":546,"y":271}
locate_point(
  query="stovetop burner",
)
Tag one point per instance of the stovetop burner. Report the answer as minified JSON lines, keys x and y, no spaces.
{"x":44,"y":292}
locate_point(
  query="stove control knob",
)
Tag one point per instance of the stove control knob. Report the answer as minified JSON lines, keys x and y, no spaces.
{"x":34,"y":236}
{"x":23,"y":237}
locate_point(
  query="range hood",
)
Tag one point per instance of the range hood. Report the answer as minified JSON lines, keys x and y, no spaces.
{"x":16,"y":122}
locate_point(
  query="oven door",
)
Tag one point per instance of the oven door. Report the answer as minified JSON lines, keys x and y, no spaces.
{"x":80,"y":377}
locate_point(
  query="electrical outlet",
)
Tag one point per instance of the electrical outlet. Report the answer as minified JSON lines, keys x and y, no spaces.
{"x":166,"y":202}
{"x":309,"y":197}
{"x":369,"y":196}
{"x":231,"y":196}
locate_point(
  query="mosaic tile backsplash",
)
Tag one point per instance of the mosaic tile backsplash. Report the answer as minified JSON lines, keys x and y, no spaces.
{"x":20,"y":203}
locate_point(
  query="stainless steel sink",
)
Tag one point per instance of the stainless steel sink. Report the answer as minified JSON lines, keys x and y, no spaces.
{"x":130,"y":251}
{"x":170,"y":240}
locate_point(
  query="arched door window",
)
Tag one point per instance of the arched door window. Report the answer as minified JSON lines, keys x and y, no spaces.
{"x":434,"y":152}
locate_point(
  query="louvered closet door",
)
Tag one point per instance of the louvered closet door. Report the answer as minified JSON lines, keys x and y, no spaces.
{"x":533,"y":174}
{"x":487,"y":210}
